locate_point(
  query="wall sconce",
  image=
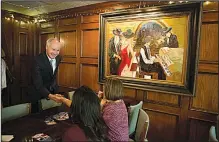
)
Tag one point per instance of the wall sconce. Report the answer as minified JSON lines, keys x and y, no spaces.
{"x":207,"y":2}
{"x":35,"y":20}
{"x":22,"y":22}
{"x":12,"y":16}
{"x":171,"y":2}
{"x":42,"y":20}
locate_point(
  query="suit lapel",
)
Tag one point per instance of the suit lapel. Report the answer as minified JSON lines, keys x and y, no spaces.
{"x":47,"y":64}
{"x":57,"y":63}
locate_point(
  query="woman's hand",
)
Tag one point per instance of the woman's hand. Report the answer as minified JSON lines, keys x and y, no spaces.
{"x":103,"y":102}
{"x":100,"y":94}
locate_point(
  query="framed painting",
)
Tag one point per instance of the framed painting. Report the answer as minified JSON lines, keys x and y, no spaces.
{"x":154,"y":48}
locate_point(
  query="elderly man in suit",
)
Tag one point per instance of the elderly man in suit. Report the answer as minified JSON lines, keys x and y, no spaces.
{"x":44,"y":71}
{"x":114,"y":49}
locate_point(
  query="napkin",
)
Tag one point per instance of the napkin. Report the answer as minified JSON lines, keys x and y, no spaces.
{"x":7,"y":138}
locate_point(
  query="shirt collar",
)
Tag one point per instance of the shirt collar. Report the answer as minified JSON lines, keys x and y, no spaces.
{"x":49,"y":58}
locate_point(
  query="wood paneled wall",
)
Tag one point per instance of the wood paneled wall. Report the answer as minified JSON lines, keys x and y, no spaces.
{"x":17,"y":43}
{"x":173,"y":118}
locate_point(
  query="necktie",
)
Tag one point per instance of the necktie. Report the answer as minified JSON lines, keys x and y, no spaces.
{"x":52,"y":62}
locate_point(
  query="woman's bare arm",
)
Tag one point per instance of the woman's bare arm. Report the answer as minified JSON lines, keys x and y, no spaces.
{"x":66,"y":101}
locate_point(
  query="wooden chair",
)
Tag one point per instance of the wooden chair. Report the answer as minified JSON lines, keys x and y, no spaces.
{"x":133,"y":116}
{"x":16,"y":111}
{"x":142,"y":127}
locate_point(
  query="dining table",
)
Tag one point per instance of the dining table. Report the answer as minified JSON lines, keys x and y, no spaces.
{"x":25,"y":127}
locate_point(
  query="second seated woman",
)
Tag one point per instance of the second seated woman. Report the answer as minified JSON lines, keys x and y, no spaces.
{"x":114,"y":110}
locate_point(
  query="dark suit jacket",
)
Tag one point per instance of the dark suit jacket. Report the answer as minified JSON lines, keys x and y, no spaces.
{"x":43,"y":80}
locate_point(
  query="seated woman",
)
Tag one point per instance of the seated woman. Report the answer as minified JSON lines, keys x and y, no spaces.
{"x":86,"y":115}
{"x":114,"y":110}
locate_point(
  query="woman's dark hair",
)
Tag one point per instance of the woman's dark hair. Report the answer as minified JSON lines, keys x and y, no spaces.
{"x":86,"y":112}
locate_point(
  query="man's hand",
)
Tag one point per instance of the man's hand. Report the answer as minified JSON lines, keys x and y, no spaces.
{"x":56,"y":97}
{"x":65,"y":100}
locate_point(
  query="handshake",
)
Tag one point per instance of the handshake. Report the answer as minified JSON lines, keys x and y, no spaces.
{"x":60,"y":99}
{"x":56,"y":97}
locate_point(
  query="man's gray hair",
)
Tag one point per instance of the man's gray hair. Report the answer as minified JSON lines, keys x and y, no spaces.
{"x":48,"y":42}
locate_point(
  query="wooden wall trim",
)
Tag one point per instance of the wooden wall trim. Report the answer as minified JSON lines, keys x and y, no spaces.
{"x":67,"y":28}
{"x":194,"y":109}
{"x":162,"y":103}
{"x":203,"y":116}
{"x":210,"y":17}
{"x":68,"y":60}
{"x":92,"y":61}
{"x":67,"y":22}
{"x":164,"y":109}
{"x":160,"y":98}
{"x":211,"y":68}
{"x":90,"y":19}
{"x":26,"y":44}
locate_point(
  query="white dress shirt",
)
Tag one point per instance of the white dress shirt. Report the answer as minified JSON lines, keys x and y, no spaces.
{"x":3,"y":75}
{"x":53,"y":63}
